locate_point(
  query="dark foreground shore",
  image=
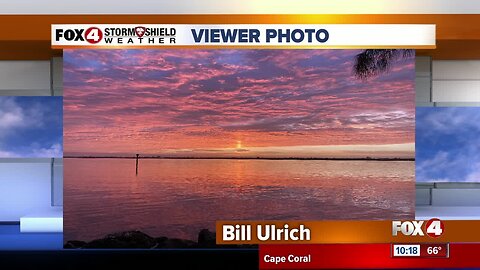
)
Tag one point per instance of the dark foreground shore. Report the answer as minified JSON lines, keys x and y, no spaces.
{"x":138,"y":239}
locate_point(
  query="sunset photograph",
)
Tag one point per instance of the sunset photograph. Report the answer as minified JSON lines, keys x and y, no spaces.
{"x":166,"y":142}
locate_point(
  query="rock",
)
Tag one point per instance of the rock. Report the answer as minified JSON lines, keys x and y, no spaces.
{"x":206,"y":239}
{"x":161,"y":239}
{"x":130,"y":239}
{"x":138,"y":239}
{"x":75,"y":244}
{"x":164,"y":242}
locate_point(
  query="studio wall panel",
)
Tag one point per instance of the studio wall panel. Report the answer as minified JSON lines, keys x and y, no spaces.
{"x":423,"y":81}
{"x":25,"y":188}
{"x":57,"y":185}
{"x":57,"y":76}
{"x":455,"y":197}
{"x":25,"y":78}
{"x":422,"y":66}
{"x":456,"y":70}
{"x":422,"y":89}
{"x":456,"y":91}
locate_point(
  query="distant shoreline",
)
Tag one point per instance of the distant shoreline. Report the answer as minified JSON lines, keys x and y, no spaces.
{"x":245,"y":158}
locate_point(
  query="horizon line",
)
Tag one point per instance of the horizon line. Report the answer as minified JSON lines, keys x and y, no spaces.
{"x":255,"y":158}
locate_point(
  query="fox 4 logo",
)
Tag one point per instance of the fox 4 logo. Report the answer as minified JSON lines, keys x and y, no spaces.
{"x":92,"y":35}
{"x":433,"y":228}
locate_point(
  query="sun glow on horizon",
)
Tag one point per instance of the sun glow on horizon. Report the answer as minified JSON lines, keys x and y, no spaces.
{"x":403,"y":150}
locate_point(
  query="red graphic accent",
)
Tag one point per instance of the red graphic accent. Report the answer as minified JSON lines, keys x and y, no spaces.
{"x":434,"y":250}
{"x":93,"y":35}
{"x":434,"y":227}
{"x":140,"y":30}
{"x":361,"y":256}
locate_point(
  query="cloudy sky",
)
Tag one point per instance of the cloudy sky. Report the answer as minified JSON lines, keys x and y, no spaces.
{"x":31,"y":127}
{"x":448,"y":144}
{"x":302,"y":103}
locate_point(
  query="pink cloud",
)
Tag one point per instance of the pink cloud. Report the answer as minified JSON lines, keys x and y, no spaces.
{"x":149,"y":101}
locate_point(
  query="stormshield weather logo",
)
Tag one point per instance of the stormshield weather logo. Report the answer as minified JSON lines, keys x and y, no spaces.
{"x":105,"y":35}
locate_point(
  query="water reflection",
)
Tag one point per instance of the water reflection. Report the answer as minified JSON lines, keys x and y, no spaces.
{"x":178,"y":198}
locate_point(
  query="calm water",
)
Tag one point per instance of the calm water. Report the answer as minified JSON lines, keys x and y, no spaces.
{"x":178,"y":198}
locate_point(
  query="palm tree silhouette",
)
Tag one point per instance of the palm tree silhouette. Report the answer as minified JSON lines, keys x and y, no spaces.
{"x":370,"y":63}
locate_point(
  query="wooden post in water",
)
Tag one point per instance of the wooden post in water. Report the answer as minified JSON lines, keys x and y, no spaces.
{"x":136,"y":165}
